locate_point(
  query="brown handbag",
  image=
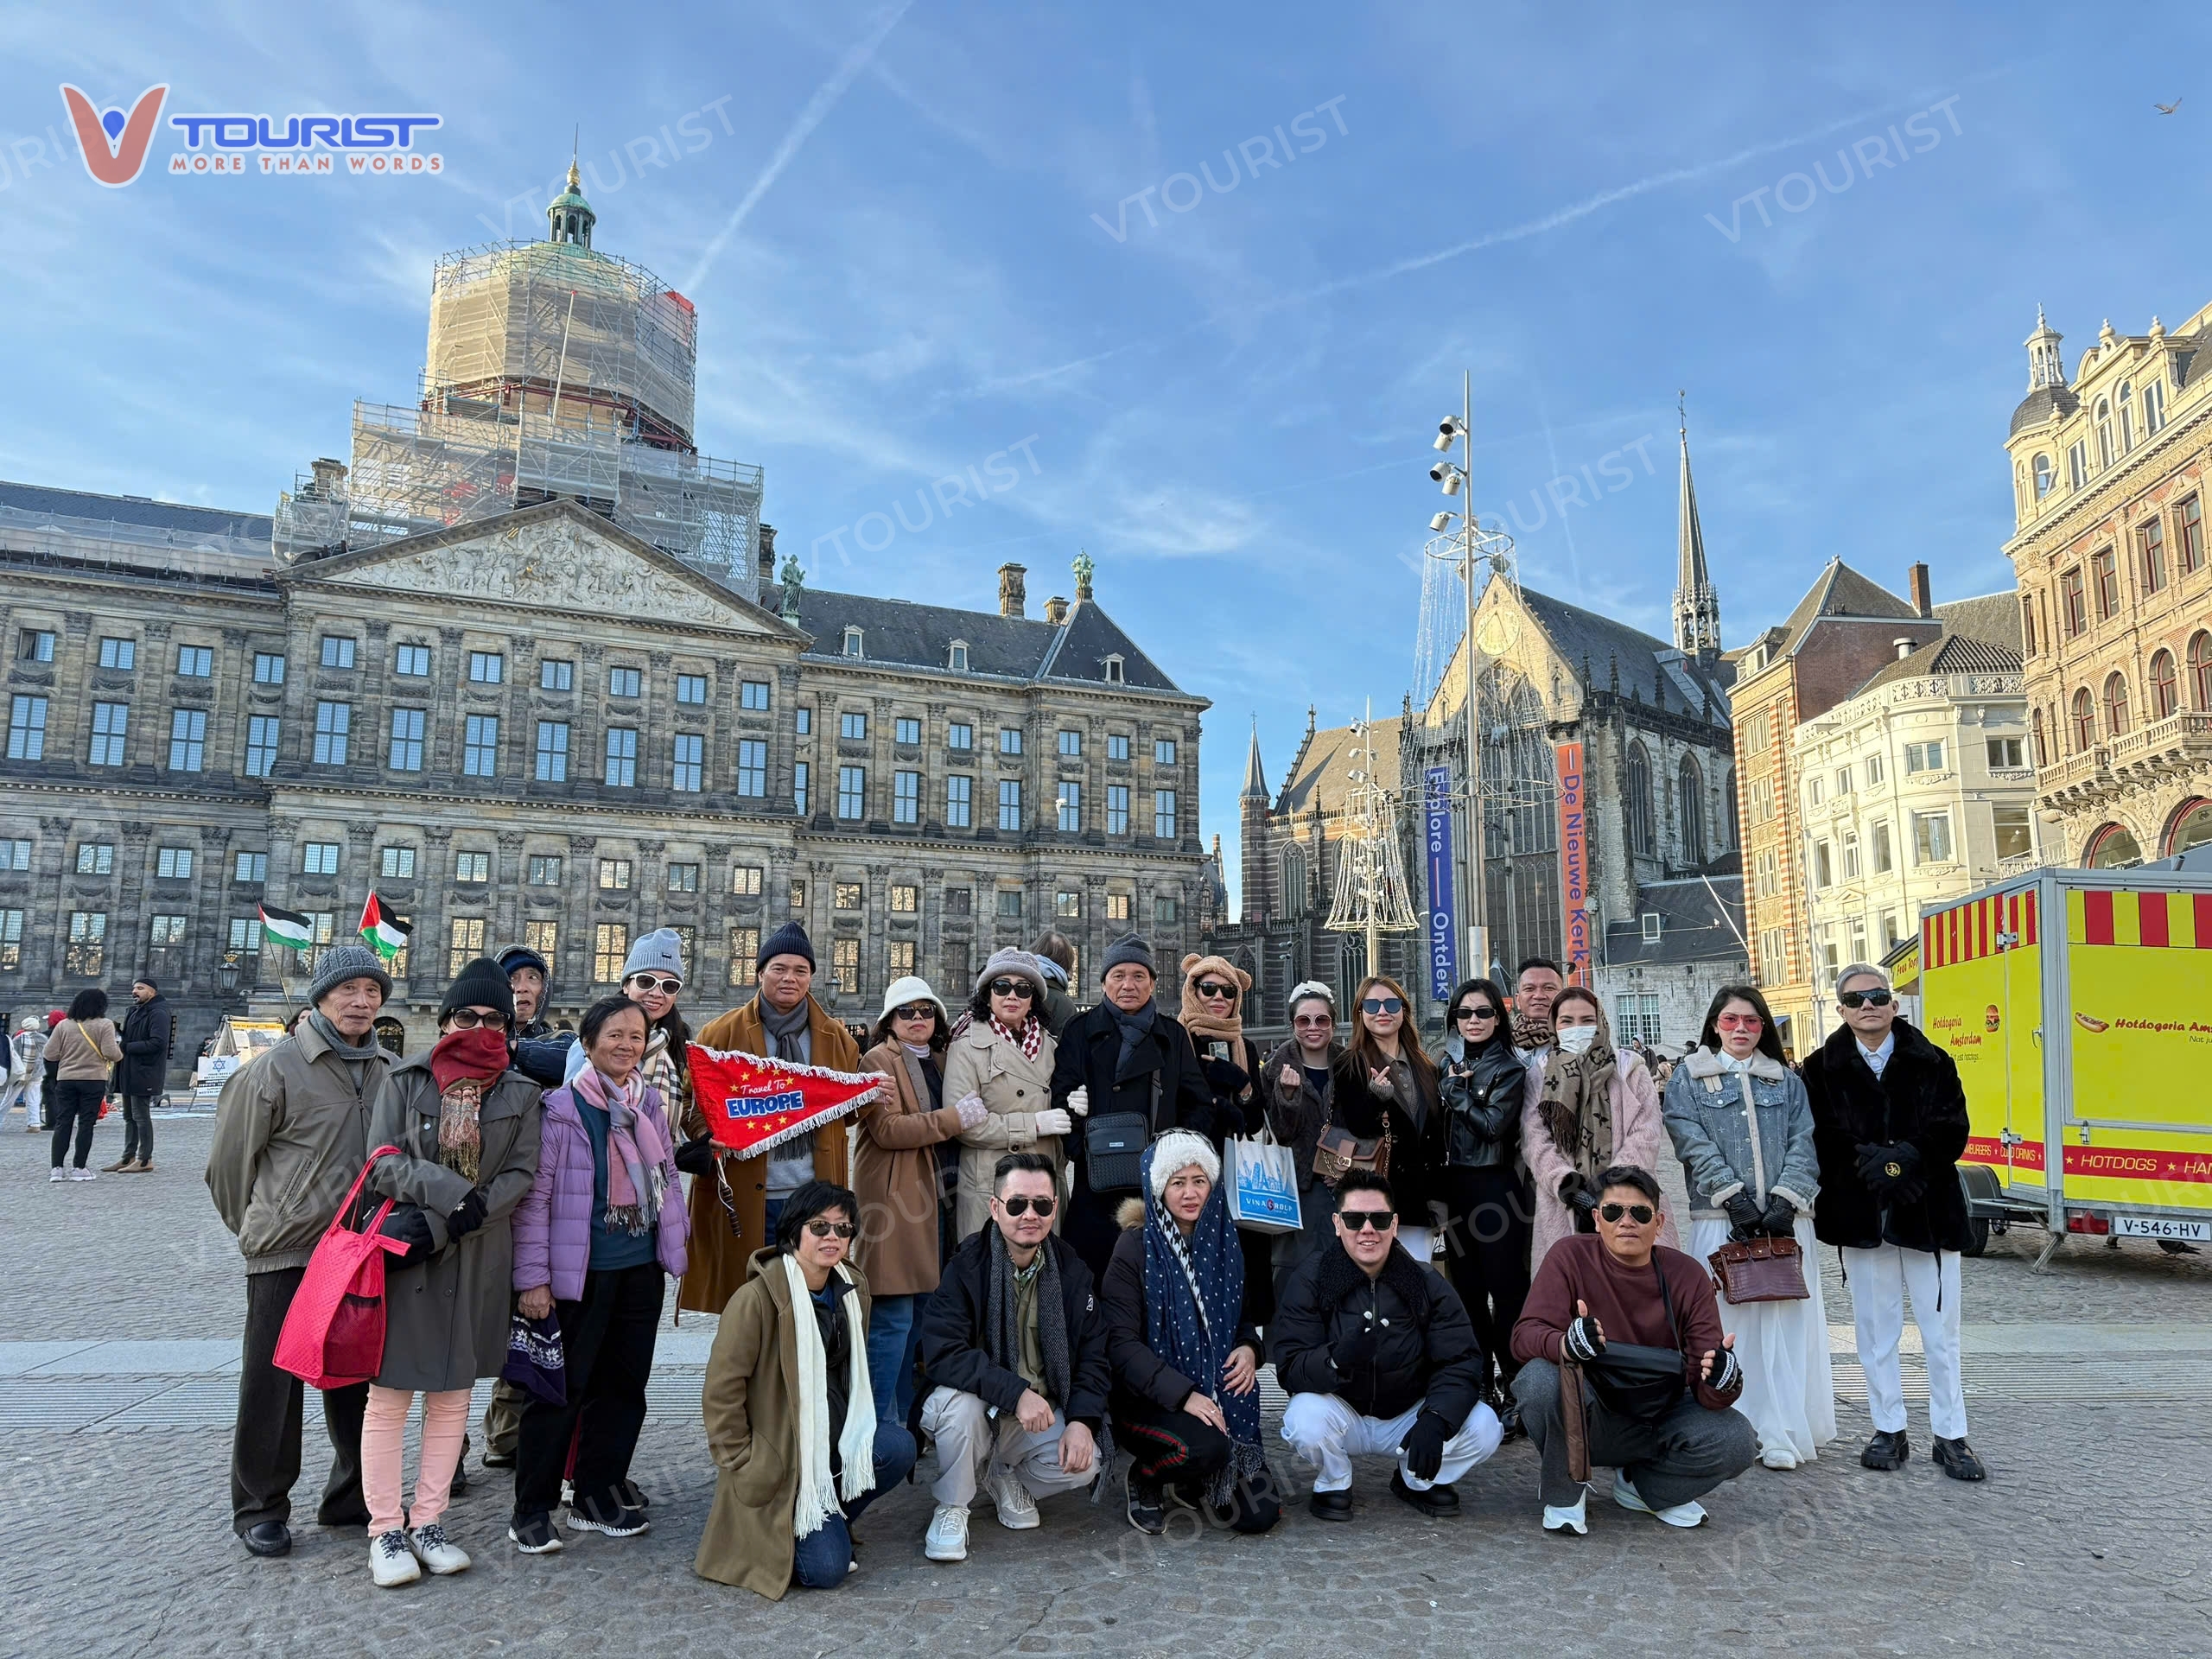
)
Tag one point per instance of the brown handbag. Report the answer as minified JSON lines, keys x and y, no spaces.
{"x":1340,"y":1150}
{"x":1759,"y":1270}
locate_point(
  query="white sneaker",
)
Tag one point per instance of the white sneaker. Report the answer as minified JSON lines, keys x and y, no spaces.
{"x":58,"y":1174}
{"x":391,"y":1563}
{"x":83,"y":1174}
{"x":437,"y":1552}
{"x":1778,"y":1457}
{"x":1017,"y":1509}
{"x":1691,"y":1514}
{"x":947,"y":1539}
{"x":1573,"y":1518}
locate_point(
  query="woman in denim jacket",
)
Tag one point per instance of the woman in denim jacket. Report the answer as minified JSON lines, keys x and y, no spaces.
{"x":1743,"y":1129}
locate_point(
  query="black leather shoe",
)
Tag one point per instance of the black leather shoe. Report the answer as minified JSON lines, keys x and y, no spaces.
{"x":1437,"y":1502}
{"x":1957,"y":1460}
{"x":459,"y":1480}
{"x":499,"y":1459}
{"x":1331,"y":1506}
{"x":1886,"y":1450}
{"x":269,"y":1538}
{"x":1510,"y":1422}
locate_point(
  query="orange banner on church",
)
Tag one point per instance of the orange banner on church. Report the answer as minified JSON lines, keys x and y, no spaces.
{"x":1573,"y":863}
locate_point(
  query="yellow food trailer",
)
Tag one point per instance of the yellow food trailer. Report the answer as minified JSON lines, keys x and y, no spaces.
{"x":2077,"y":1004}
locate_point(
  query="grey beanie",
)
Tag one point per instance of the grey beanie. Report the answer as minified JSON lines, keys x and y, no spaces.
{"x":659,"y":952}
{"x":1015,"y":965}
{"x":1130,"y":947}
{"x":345,"y":962}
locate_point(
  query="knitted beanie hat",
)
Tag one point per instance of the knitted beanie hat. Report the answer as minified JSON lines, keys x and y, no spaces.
{"x":1015,"y":965}
{"x":1177,"y":1150}
{"x":1130,"y":947}
{"x":788,"y":940}
{"x":343,"y":962}
{"x":479,"y":985}
{"x":660,"y":952}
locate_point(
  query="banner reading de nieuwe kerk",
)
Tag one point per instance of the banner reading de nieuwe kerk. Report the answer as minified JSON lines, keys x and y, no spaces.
{"x":1574,"y":863}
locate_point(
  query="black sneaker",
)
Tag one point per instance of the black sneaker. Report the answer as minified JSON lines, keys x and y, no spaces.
{"x":459,"y":1480}
{"x":1887,"y":1450}
{"x":1437,"y":1503}
{"x":623,"y":1523}
{"x":1957,"y":1460}
{"x":631,"y":1497}
{"x":1147,"y":1514}
{"x":1330,"y":1506}
{"x":499,"y":1459}
{"x":533,"y":1535}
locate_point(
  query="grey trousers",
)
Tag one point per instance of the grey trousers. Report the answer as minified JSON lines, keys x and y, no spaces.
{"x":968,"y":1440}
{"x":1684,"y":1455}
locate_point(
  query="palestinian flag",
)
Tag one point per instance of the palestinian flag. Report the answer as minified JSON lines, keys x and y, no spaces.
{"x":286,"y":927}
{"x":381,"y":930}
{"x":752,"y":1103}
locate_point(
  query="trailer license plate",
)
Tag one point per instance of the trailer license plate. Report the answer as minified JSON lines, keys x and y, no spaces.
{"x":2161,"y":1227}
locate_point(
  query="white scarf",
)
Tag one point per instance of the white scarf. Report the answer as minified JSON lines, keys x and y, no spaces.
{"x":817,"y":1493}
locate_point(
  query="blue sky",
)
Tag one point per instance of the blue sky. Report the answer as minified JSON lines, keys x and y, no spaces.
{"x":909,"y":231}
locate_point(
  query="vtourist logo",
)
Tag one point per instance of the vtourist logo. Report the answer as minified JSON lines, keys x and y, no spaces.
{"x":115,"y":144}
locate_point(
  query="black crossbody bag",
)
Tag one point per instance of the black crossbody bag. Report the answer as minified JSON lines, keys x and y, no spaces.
{"x":1114,"y":1144}
{"x":1642,"y":1384}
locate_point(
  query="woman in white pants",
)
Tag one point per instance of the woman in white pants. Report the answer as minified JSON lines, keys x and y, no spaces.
{"x":1742,"y":1128}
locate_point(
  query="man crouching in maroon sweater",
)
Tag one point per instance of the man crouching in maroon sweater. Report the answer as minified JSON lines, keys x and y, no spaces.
{"x":1634,"y":1326}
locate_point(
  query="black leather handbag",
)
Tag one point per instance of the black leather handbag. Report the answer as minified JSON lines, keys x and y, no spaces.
{"x":1114,"y":1144}
{"x":1642,"y":1384}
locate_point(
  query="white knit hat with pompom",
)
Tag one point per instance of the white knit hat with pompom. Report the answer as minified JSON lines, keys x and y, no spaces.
{"x":1177,"y":1150}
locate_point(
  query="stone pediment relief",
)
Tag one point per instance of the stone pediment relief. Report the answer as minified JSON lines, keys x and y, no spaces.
{"x":555,"y":565}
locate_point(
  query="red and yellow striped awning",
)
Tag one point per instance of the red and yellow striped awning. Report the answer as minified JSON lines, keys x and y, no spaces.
{"x":1969,"y":932}
{"x":2177,"y":921}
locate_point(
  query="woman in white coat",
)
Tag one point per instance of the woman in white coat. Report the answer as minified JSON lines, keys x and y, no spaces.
{"x":1004,"y":1059}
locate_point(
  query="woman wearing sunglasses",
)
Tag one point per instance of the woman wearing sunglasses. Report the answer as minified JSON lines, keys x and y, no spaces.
{"x":1593,"y":1107}
{"x":1743,"y":1124}
{"x":1481,"y":1181}
{"x":1386,"y":1082}
{"x":596,"y":1238}
{"x":1213,"y":1014}
{"x":1298,"y":1078}
{"x":653,"y":978}
{"x":467,"y":1127}
{"x":1003,"y":1062}
{"x":907,"y":1138}
{"x":790,"y":1405}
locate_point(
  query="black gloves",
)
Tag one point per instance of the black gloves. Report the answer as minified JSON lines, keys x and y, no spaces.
{"x":1725,"y":1373}
{"x":1781,"y":1217}
{"x":1424,"y":1445}
{"x":1355,"y":1355}
{"x":467,"y":1216}
{"x":1582,"y":1341}
{"x":1225,"y":1077}
{"x":1892,"y":1172}
{"x":411,"y":1227}
{"x":1745,"y":1216}
{"x":697,"y":1157}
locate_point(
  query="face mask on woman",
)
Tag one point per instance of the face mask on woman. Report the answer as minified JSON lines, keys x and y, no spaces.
{"x":1576,"y":1039}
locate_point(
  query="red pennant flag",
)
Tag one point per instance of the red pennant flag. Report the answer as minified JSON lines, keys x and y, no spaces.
{"x":752,"y":1103}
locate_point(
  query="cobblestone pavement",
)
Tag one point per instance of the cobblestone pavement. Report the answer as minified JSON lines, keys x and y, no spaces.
{"x":2090,"y":1404}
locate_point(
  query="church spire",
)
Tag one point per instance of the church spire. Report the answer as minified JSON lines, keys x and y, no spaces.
{"x":1697,"y":607}
{"x":1255,"y":781}
{"x":568,"y":217}
{"x":2045,"y":366}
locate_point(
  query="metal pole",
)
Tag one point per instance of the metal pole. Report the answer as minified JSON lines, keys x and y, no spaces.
{"x":1478,"y":915}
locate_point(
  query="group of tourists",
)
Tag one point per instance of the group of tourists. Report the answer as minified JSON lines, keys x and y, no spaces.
{"x":66,"y":1066}
{"x":1020,"y":1251}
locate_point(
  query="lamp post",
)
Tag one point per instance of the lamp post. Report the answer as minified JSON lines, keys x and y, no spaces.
{"x":226,"y":976}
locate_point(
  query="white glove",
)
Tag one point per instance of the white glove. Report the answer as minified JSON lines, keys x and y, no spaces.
{"x":1079,"y":1102}
{"x":1052,"y":1120}
{"x":972,"y":1111}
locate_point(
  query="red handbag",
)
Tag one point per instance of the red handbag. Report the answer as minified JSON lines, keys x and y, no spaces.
{"x":1759,"y":1270}
{"x":333,"y":1333}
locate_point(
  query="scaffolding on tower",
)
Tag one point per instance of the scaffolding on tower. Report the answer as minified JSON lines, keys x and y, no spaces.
{"x":1371,"y":897}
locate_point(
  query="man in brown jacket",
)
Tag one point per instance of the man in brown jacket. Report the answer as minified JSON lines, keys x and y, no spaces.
{"x":783,"y":1021}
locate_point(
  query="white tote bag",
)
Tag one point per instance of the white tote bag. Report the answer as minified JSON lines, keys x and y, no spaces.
{"x":1262,"y":1183}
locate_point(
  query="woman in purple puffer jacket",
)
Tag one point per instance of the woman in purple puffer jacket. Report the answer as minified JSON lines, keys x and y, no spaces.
{"x":602,"y":1228}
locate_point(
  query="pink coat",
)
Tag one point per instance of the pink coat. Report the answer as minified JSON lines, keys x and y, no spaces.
{"x":1639,"y":1135}
{"x":552,"y":1225}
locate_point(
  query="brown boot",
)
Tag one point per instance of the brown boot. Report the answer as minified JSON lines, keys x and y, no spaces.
{"x":142,"y":1167}
{"x":118,"y":1165}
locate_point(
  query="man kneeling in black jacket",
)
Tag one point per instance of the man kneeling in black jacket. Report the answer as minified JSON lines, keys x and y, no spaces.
{"x":1377,"y":1355}
{"x":1015,"y":1369}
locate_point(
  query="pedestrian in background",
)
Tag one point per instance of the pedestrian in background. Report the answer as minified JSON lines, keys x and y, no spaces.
{"x":1386,"y":1083}
{"x":148,"y":1032}
{"x":1004,"y":1062}
{"x":790,"y":1407}
{"x":1056,"y":960}
{"x":1536,"y":984}
{"x":1742,"y":1128}
{"x":1590,"y":1108}
{"x":1297,"y":1080}
{"x":82,"y":1053}
{"x":782,"y":1021}
{"x":1481,"y":1181}
{"x":601,"y":1225}
{"x":27,"y":1065}
{"x":291,"y":1133}
{"x":467,"y":1127}
{"x":897,"y":1181}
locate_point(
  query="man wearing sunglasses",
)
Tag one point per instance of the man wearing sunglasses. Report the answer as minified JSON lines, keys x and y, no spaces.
{"x":1635,"y":1325}
{"x":1888,"y":1124}
{"x":1014,"y":1368}
{"x":1378,"y":1356}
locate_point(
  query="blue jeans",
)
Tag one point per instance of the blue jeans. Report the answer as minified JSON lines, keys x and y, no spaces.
{"x":821,"y":1560}
{"x":891,"y":1357}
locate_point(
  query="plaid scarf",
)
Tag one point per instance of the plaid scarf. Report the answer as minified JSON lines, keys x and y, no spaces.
{"x":1031,"y":1040}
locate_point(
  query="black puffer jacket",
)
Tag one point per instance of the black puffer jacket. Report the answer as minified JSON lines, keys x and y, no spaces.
{"x":1383,"y":1345}
{"x":954,"y":1350}
{"x":1918,"y":1099}
{"x":1482,"y":1109}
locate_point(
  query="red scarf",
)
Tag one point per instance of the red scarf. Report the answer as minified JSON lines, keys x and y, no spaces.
{"x":1032,"y":1038}
{"x":480,"y":1053}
